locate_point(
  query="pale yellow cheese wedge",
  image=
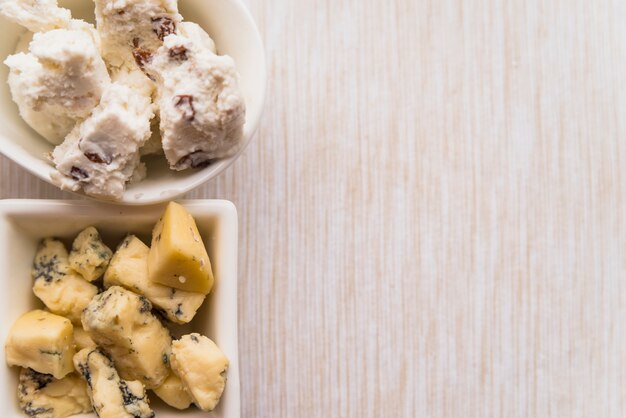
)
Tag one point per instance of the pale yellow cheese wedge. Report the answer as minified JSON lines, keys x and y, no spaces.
{"x":42,"y":341}
{"x":173,"y":393}
{"x":129,"y":269}
{"x":178,"y":257}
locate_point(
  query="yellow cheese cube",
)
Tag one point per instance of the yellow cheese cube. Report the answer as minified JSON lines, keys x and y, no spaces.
{"x":42,"y":341}
{"x":201,"y":367}
{"x":178,"y":257}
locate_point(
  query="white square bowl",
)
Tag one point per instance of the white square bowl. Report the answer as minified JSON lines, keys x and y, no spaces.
{"x":23,"y":223}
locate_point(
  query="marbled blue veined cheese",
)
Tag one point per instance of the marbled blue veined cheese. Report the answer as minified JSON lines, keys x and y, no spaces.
{"x":129,"y":269}
{"x":111,"y":396}
{"x":122,"y":325}
{"x":89,"y":256}
{"x":63,"y":291}
{"x":41,"y":341}
{"x":201,"y":366}
{"x":42,"y":396}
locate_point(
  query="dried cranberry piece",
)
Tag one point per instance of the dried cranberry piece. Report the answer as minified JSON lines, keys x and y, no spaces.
{"x":97,"y":158}
{"x":196,"y":159}
{"x":142,"y":57}
{"x":185,"y":103}
{"x":78,"y":174}
{"x":163,"y":26}
{"x":178,"y":53}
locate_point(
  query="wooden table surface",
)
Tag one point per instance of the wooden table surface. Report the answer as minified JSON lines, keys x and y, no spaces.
{"x":431,"y":214}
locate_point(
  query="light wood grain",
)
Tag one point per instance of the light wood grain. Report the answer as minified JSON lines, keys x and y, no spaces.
{"x":432,"y":211}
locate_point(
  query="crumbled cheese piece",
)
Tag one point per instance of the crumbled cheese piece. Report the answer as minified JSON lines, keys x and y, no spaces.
{"x":89,"y":256}
{"x":42,"y":396}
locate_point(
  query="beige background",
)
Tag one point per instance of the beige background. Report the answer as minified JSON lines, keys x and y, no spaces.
{"x":432,"y":211}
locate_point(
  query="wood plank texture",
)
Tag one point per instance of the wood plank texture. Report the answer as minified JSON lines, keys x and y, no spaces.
{"x":432,"y":211}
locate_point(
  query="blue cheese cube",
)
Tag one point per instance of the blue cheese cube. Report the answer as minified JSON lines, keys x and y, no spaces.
{"x":41,"y":341}
{"x":89,"y":256}
{"x":111,"y":396}
{"x":64,"y":292}
{"x":42,"y":396}
{"x":122,"y":324}
{"x":201,"y":366}
{"x":129,"y":268}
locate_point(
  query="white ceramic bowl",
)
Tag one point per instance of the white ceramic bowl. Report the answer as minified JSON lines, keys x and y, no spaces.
{"x":23,"y":223}
{"x":232,"y":28}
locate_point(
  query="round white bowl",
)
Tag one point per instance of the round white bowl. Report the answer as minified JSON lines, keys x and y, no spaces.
{"x":232,"y":28}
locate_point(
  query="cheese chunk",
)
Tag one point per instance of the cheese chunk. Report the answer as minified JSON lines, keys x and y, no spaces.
{"x":201,"y":108}
{"x":120,"y":322}
{"x":89,"y":256}
{"x":132,"y":29}
{"x":201,"y":366}
{"x":111,"y":396}
{"x":173,"y":393}
{"x":36,"y":15}
{"x":101,"y":153}
{"x":42,"y":341}
{"x":178,"y":257}
{"x":82,"y":339}
{"x":43,"y":396}
{"x":64,"y":292}
{"x":129,"y":269}
{"x":59,"y":80}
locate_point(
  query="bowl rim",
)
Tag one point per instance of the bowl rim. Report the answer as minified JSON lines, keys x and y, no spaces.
{"x":36,"y":166}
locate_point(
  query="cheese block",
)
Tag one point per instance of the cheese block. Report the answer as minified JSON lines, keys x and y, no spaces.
{"x":177,"y":256}
{"x":121,"y":324}
{"x":82,"y":339}
{"x":64,"y":292}
{"x":42,"y":341}
{"x":129,"y":268}
{"x":42,"y":396}
{"x":173,"y":393}
{"x":89,"y":256}
{"x":111,"y":396}
{"x":201,"y":366}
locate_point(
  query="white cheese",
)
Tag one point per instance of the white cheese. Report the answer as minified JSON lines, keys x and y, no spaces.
{"x":129,"y":269}
{"x":133,"y":29}
{"x":120,"y":322}
{"x":202,"y":110}
{"x":42,"y":341}
{"x":111,"y":396}
{"x":89,"y":256}
{"x":101,"y":154}
{"x":36,"y":15}
{"x":64,"y":292}
{"x":59,"y":81}
{"x":42,"y":396}
{"x":201,"y":366}
{"x":173,"y":393}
